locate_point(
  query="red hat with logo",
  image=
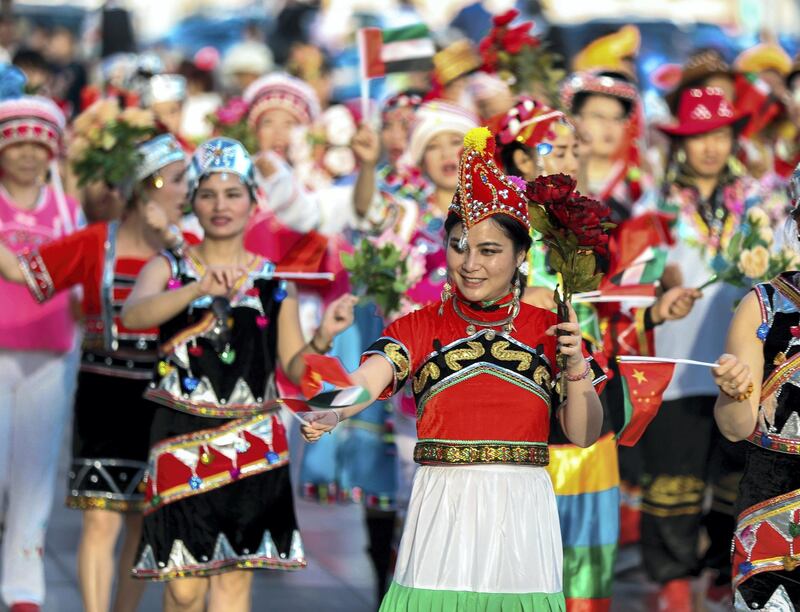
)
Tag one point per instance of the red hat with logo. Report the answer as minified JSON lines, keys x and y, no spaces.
{"x":703,"y":110}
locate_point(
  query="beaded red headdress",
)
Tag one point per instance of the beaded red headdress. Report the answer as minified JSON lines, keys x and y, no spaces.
{"x":483,"y":189}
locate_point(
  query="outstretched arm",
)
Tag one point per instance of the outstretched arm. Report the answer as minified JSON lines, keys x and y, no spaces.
{"x":374,"y":375}
{"x":739,"y":373}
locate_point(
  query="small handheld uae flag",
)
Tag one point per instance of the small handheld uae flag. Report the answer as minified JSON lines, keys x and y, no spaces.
{"x":643,"y":383}
{"x":406,"y":49}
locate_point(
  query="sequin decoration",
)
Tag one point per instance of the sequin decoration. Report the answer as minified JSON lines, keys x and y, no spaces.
{"x":174,"y":283}
{"x":794,"y":330}
{"x":745,"y":568}
{"x":195,"y":481}
{"x":228,"y":356}
{"x":156,"y":500}
{"x":272,"y":457}
{"x":794,"y":529}
{"x":262,"y":321}
{"x":543,"y":148}
{"x":206,"y":458}
{"x":762,"y":332}
{"x":235,"y":473}
{"x":164,"y":368}
{"x":190,"y":383}
{"x":280,"y":292}
{"x":195,"y":351}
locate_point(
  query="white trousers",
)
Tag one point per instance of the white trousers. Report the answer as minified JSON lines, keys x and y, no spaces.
{"x":36,"y":393}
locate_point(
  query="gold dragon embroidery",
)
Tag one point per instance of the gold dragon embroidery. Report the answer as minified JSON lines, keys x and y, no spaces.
{"x":429,"y":370}
{"x":452,"y":358}
{"x":500,"y":351}
{"x":399,"y":359}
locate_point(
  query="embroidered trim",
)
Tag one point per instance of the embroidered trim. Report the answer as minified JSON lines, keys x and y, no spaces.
{"x":86,"y":502}
{"x":780,"y":515}
{"x":182,"y":563}
{"x":452,"y":452}
{"x":260,"y":454}
{"x":774,"y":442}
{"x":37,"y":277}
{"x":206,"y":409}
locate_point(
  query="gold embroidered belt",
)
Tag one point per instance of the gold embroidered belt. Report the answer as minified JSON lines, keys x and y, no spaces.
{"x":462,"y":453}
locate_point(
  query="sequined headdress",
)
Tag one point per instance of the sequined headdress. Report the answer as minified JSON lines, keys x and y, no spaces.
{"x":224,"y":155}
{"x":27,"y":118}
{"x":157,"y":153}
{"x":483,"y":189}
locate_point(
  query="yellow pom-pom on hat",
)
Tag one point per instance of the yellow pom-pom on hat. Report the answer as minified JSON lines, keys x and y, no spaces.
{"x":480,"y":139}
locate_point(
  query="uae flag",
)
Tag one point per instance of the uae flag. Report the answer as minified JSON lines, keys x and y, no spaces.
{"x":638,"y":250}
{"x":385,"y":52}
{"x":643,"y":383}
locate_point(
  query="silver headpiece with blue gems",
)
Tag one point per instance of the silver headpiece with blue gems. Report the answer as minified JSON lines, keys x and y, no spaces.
{"x":157,"y":153}
{"x":224,"y":155}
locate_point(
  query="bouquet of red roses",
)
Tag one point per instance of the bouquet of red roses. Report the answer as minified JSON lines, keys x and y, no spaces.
{"x":519,"y":58}
{"x":575,"y":229}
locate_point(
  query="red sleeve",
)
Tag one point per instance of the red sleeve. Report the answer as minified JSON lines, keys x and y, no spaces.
{"x":76,"y":259}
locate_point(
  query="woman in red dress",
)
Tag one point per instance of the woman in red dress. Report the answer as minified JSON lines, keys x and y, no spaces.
{"x":482,"y":528}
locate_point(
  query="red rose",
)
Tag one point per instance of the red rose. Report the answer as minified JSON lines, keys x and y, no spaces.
{"x":505,"y":18}
{"x":551,"y":188}
{"x":516,"y":38}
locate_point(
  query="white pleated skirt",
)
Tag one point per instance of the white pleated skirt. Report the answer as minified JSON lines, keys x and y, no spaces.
{"x":478,"y":537}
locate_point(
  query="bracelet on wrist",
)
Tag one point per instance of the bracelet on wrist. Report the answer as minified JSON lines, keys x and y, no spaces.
{"x":313,"y":344}
{"x":742,"y":396}
{"x":582,"y":376}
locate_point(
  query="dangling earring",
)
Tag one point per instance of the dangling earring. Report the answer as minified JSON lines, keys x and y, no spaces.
{"x":447,"y":293}
{"x":680,"y":156}
{"x":517,"y":292}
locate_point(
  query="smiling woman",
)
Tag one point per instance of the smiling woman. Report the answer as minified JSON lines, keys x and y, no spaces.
{"x":482,"y":369}
{"x":219,"y":498}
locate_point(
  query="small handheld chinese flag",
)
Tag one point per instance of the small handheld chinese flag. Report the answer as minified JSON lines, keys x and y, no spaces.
{"x":323,"y":369}
{"x":643,"y":383}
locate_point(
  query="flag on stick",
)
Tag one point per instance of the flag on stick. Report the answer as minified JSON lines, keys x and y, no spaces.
{"x":404,"y":49}
{"x":643,"y":385}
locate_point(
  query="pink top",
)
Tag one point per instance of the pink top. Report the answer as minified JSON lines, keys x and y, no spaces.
{"x":24,"y":324}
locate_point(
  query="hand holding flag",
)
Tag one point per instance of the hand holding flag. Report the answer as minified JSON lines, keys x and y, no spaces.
{"x":644,"y":380}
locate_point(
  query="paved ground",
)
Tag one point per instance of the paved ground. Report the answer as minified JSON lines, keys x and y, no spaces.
{"x":338,"y":578}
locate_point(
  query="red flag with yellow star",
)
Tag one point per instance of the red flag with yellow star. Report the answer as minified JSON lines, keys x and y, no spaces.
{"x":322,"y":369}
{"x":644,"y":384}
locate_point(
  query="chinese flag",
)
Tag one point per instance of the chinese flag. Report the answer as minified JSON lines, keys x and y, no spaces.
{"x":643,"y":384}
{"x":322,"y":369}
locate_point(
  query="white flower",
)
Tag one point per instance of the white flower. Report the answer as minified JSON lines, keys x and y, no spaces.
{"x":339,"y":126}
{"x":757,"y":217}
{"x":754,"y":262}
